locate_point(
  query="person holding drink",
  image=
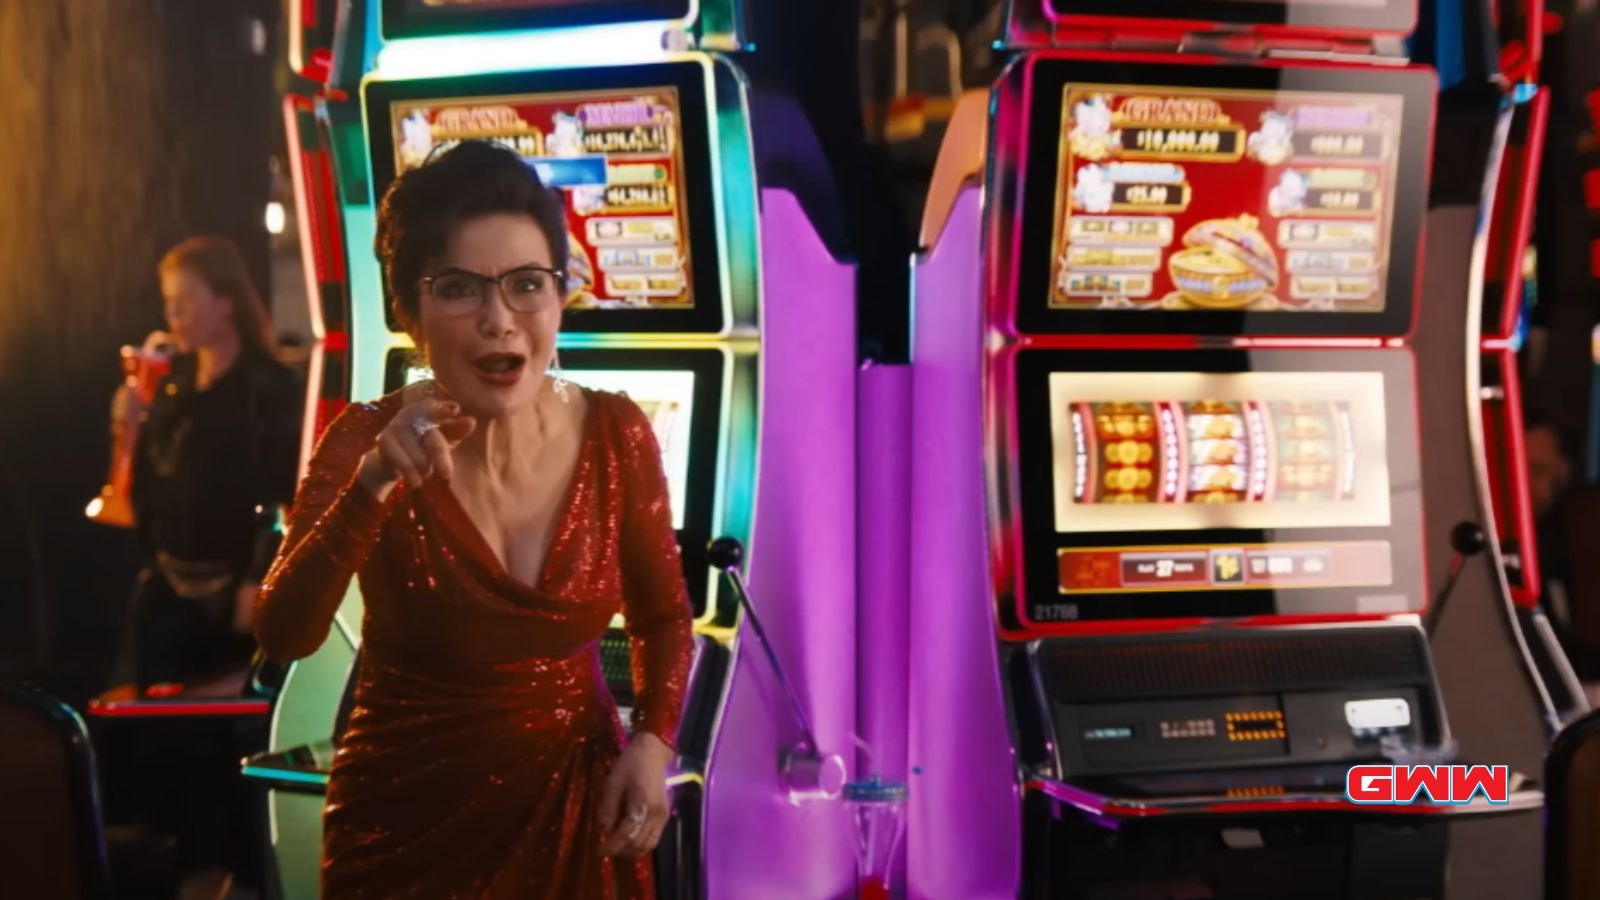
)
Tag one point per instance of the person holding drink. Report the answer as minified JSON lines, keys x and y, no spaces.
{"x":217,"y":451}
{"x":215,"y":458}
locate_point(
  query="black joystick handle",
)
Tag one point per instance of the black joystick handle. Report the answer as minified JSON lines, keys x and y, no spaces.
{"x":1467,"y":539}
{"x":726,"y":553}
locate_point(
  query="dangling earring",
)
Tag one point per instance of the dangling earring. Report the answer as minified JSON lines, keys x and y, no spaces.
{"x":559,"y":382}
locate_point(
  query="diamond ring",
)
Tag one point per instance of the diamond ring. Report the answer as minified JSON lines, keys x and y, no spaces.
{"x":422,"y":425}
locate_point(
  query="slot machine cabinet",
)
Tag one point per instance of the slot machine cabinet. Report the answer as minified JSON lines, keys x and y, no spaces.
{"x":1509,"y":293}
{"x":734,"y":323}
{"x":1058,"y":777}
{"x":326,"y":48}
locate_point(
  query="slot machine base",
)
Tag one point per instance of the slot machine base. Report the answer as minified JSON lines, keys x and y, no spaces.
{"x":1067,"y":854}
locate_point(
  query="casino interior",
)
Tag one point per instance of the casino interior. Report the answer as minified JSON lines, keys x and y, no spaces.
{"x":1174,"y":481}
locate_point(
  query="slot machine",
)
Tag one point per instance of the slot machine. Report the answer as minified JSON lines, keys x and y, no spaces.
{"x":700,"y":286}
{"x":328,"y":53}
{"x":1233,"y":533}
{"x":1510,"y":292}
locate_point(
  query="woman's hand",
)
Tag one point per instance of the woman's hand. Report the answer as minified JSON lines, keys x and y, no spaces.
{"x":633,"y":800}
{"x":415,"y":445}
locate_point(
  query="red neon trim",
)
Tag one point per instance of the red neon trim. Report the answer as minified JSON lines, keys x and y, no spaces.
{"x":1097,"y":629}
{"x":328,"y":218}
{"x":1591,"y":190}
{"x":319,"y":68}
{"x":336,"y":341}
{"x":1519,"y":490}
{"x":1125,"y":26}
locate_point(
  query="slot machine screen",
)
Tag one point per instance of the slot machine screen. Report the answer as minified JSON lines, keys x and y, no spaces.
{"x":627,"y":151}
{"x":1218,"y":483}
{"x":427,"y":18}
{"x":1223,"y":200}
{"x":679,"y":391}
{"x":667,"y":398}
{"x":1366,"y":16}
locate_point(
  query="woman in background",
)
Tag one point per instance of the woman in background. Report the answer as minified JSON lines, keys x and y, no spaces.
{"x":498,"y":517}
{"x":218,"y":450}
{"x":217,"y":455}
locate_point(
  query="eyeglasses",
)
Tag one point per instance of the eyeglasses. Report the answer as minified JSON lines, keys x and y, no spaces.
{"x":527,"y":289}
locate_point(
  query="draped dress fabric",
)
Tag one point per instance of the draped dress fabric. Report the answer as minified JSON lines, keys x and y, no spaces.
{"x":482,"y":727}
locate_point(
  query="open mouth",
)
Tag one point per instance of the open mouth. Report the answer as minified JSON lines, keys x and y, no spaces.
{"x":500,"y":363}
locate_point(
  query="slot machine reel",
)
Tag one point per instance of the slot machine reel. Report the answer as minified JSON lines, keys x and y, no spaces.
{"x":808,"y":773}
{"x":143,"y":368}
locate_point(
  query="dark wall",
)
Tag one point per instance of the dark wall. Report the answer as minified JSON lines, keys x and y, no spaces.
{"x":130,"y":124}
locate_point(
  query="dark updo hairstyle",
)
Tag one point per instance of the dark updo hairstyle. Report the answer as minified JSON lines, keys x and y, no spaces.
{"x":424,"y":205}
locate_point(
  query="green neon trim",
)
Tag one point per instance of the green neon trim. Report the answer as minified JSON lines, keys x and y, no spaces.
{"x":523,"y":51}
{"x":270,"y":774}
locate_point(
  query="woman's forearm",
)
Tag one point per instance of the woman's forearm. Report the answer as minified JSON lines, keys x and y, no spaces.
{"x":307,"y":582}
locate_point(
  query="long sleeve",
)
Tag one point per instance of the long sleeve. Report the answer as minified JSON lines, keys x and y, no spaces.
{"x":655,"y":600}
{"x":333,"y":526}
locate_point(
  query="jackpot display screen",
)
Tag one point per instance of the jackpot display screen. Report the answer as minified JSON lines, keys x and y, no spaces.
{"x":424,"y":18}
{"x":1263,"y":208}
{"x":1214,"y":483}
{"x":635,"y":189}
{"x":679,"y":391}
{"x":1366,"y":16}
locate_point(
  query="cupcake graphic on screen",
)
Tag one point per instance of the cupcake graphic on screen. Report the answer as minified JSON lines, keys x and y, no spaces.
{"x":1094,"y":190}
{"x":416,"y":139}
{"x":1275,"y":141}
{"x":1092,"y":136}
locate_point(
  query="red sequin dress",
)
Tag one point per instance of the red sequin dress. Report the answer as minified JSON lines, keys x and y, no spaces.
{"x":482,"y":727}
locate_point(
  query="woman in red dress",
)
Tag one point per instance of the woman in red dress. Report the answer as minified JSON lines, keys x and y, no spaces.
{"x":497,"y":518}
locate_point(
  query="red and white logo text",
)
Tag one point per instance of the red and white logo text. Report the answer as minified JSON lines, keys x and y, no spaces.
{"x":1439,"y":785}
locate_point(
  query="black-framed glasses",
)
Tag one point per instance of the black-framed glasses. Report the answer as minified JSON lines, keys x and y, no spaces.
{"x":457,"y":292}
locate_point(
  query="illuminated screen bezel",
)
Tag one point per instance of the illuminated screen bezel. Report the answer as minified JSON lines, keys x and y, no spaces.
{"x":1038,"y":202}
{"x":706,"y":316}
{"x":700,"y":484}
{"x":1386,"y":16}
{"x":402,"y":18}
{"x":637,"y":384}
{"x":1040,"y":602}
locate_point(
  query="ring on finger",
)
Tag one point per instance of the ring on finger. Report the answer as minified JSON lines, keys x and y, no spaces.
{"x":637,"y":819}
{"x":422,"y":425}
